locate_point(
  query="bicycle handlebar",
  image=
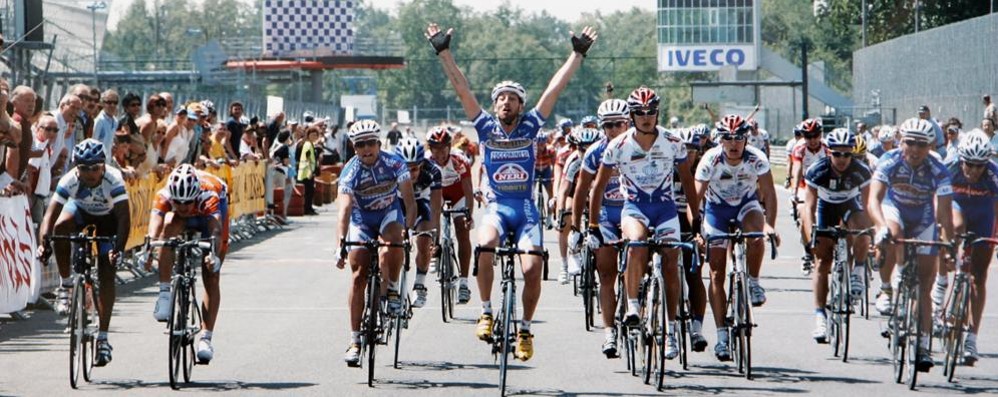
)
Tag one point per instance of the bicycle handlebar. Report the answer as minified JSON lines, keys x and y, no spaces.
{"x":739,"y":236}
{"x":81,"y":238}
{"x":683,"y":245}
{"x":177,"y":242}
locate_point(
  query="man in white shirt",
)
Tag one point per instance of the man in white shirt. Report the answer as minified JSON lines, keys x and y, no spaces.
{"x":105,"y":123}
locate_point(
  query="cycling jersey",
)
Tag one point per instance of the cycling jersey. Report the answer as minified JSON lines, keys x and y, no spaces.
{"x":429,"y":179}
{"x":759,"y":141}
{"x":976,"y":200}
{"x":562,"y":154}
{"x":645,"y":176}
{"x":731,"y":185}
{"x":545,"y":157}
{"x":509,"y":158}
{"x":573,"y":164}
{"x":99,"y":200}
{"x":807,"y":157}
{"x":677,"y":189}
{"x":909,"y":200}
{"x":451,"y":175}
{"x":374,"y":188}
{"x":613,"y":196}
{"x":207,"y":203}
{"x":835,"y":187}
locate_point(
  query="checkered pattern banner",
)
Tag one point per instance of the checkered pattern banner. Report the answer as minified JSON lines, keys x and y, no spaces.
{"x":305,"y":28}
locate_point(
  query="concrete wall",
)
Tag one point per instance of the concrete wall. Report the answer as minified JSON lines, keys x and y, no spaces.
{"x":947,"y":68}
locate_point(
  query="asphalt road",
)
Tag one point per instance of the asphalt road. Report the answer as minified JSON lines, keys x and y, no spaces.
{"x":283,"y":329}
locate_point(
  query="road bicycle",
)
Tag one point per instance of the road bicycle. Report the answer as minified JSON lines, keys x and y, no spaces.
{"x":840,"y":303}
{"x":956,"y":311}
{"x":446,"y":262}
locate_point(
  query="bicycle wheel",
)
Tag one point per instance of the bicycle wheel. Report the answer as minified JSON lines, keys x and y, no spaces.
{"x":653,"y":336}
{"x":864,"y":308}
{"x":898,"y":322}
{"x":587,"y":288}
{"x":684,"y":316}
{"x":373,"y":315}
{"x":443,"y":271}
{"x":506,"y":336}
{"x":177,"y":328}
{"x":914,"y":334}
{"x":90,"y":312}
{"x":451,"y":283}
{"x":955,"y":320}
{"x":77,"y":329}
{"x":745,"y":330}
{"x":190,"y":333}
{"x":663,"y":316}
{"x":845,"y":308}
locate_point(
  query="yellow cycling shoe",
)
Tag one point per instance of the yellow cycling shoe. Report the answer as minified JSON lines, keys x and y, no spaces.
{"x":484,"y":329}
{"x":524,"y":346}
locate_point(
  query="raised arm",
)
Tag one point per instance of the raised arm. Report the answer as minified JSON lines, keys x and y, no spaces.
{"x":441,"y":44}
{"x":580,"y":45}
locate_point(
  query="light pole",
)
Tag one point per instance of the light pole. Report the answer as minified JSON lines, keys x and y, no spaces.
{"x":93,"y":7}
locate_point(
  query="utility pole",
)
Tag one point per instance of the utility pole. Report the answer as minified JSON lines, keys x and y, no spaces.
{"x":918,"y":11}
{"x":863,"y":19}
{"x":803,"y":77}
{"x":93,"y":7}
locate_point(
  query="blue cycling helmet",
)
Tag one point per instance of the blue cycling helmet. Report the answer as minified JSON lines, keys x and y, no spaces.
{"x":566,"y":123}
{"x":591,"y":121}
{"x":410,"y":150}
{"x":89,"y":152}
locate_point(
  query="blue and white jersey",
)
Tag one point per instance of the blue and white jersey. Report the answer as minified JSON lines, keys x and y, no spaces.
{"x":509,"y":158}
{"x":612,"y":196}
{"x":910,"y":187}
{"x":429,"y":179}
{"x":645,"y":176}
{"x":374,"y":188}
{"x":975,"y":195}
{"x":838,"y":187}
{"x":731,"y":185}
{"x":99,"y":200}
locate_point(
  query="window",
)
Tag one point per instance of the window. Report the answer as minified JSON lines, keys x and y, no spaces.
{"x":706,"y":21}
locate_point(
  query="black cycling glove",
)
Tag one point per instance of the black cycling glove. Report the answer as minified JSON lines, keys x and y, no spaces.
{"x":440,"y":41}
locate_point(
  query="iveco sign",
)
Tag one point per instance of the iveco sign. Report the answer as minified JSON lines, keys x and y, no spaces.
{"x":705,"y":58}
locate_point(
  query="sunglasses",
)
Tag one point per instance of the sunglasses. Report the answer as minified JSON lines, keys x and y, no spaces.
{"x":115,"y":103}
{"x":182,"y":202}
{"x":812,"y":136}
{"x":840,"y":155}
{"x":692,"y":147}
{"x":161,"y":104}
{"x":974,"y":165}
{"x":644,"y":112}
{"x":88,"y":168}
{"x":50,"y":129}
{"x":734,"y":137}
{"x":614,"y":124}
{"x":364,"y":144}
{"x":134,"y":104}
{"x":916,"y":143}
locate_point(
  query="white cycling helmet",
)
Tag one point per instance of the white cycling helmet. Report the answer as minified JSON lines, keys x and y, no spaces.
{"x":410,"y":150}
{"x":587,"y":136}
{"x":184,"y":184}
{"x":975,"y":147}
{"x":509,"y":86}
{"x":613,"y":109}
{"x":840,"y":137}
{"x":918,"y":129}
{"x":887,"y":133}
{"x":364,"y":130}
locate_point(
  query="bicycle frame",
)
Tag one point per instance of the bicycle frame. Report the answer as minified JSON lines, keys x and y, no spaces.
{"x":839,"y":305}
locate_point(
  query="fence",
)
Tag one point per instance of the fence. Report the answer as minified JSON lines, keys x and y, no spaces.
{"x":19,"y":270}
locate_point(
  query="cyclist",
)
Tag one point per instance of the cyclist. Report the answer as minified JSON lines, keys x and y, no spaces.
{"x":426,"y":186}
{"x":807,"y":152}
{"x":369,"y":208}
{"x":694,"y":138}
{"x":758,"y":138}
{"x":798,"y":134}
{"x":508,"y":138}
{"x":191,"y":200}
{"x":455,"y":173}
{"x":837,"y":187}
{"x":581,"y":139}
{"x":614,"y":117}
{"x":736,"y":184}
{"x":912,"y":192}
{"x":544,"y":170}
{"x":644,"y":156}
{"x":89,"y":194}
{"x":590,"y":122}
{"x":975,"y":195}
{"x":862,"y":154}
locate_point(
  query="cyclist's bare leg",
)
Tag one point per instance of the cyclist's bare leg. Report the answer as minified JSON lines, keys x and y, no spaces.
{"x":423,"y":248}
{"x":892,"y":254}
{"x":819,"y":280}
{"x":980,"y":258}
{"x":358,"y":258}
{"x":463,"y":237}
{"x":212,"y":297}
{"x":606,"y":266}
{"x":637,"y":257}
{"x":533,"y":267}
{"x":489,"y":238}
{"x":64,"y":226}
{"x":718,"y":273}
{"x":173,"y":225}
{"x":860,"y":244}
{"x":697,"y":290}
{"x":105,"y":275}
{"x":670,"y":273}
{"x":756,"y":248}
{"x":391,"y":258}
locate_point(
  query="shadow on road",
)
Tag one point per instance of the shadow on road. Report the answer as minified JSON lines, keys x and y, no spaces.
{"x":201,"y":386}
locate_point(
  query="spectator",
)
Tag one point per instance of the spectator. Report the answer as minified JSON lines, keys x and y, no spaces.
{"x":273,"y":128}
{"x":988,"y":126}
{"x":120,"y":154}
{"x":248,"y":149}
{"x":156,"y":149}
{"x":23,"y":101}
{"x":83,"y":117}
{"x":132,"y":105}
{"x":281,"y":156}
{"x":925,"y":114}
{"x":69,"y":107}
{"x":155,"y":110}
{"x":952,"y":142}
{"x":138,"y":154}
{"x":990,"y":110}
{"x":306,"y":168}
{"x":234,"y":124}
{"x":40,"y":165}
{"x":10,"y":139}
{"x":105,"y":124}
{"x":217,"y":154}
{"x":177,"y":142}
{"x":330,"y":147}
{"x":168,"y":97}
{"x":394,"y":135}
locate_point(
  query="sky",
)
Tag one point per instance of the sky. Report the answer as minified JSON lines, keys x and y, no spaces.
{"x":556,"y":8}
